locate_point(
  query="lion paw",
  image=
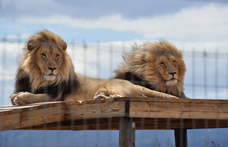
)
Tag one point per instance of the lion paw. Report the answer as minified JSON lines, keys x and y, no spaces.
{"x":22,"y":98}
{"x":115,"y":96}
{"x":100,"y":97}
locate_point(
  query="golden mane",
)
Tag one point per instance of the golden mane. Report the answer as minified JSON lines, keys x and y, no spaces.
{"x":28,"y":63}
{"x":142,"y":66}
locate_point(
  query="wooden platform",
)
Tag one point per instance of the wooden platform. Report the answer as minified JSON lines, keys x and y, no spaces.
{"x":104,"y":115}
{"x":107,"y":114}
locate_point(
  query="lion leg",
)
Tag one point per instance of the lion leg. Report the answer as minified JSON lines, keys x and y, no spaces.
{"x":101,"y":93}
{"x":12,"y":97}
{"x":23,"y":98}
{"x":147,"y":93}
{"x":104,"y":93}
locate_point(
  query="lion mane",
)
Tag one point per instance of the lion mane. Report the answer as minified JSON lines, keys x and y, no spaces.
{"x":158,"y":66}
{"x":45,"y":67}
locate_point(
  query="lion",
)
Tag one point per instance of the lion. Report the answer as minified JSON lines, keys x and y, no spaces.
{"x":158,"y":66}
{"x":46,"y":73}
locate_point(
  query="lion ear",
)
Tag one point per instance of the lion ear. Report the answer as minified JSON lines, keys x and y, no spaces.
{"x":64,"y":45}
{"x":30,"y":45}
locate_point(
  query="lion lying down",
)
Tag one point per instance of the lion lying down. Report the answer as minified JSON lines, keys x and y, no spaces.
{"x":46,"y":73}
{"x":155,"y":65}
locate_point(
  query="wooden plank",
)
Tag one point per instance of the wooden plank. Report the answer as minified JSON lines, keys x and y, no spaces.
{"x":187,"y":110}
{"x":30,"y":115}
{"x":95,"y":110}
{"x":90,"y":124}
{"x":166,"y":124}
{"x":10,"y":121}
{"x":157,"y":114}
{"x":180,"y":137}
{"x":42,"y":116}
{"x":127,"y":129}
{"x":141,"y":124}
{"x":182,"y":100}
{"x":126,"y":132}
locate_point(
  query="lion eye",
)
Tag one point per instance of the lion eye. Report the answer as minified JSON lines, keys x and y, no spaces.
{"x":43,"y":55}
{"x":162,"y":63}
{"x":174,"y":62}
{"x":57,"y":56}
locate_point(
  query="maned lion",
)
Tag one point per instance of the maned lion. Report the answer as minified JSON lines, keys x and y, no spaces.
{"x":158,"y":66}
{"x":46,"y":73}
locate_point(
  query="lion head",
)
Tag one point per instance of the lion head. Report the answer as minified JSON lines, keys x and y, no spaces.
{"x":45,"y":61}
{"x":158,"y":66}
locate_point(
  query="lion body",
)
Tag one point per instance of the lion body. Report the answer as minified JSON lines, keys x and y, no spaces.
{"x":46,"y":73}
{"x":158,"y":66}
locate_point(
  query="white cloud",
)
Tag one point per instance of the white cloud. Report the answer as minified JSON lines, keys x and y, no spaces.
{"x":14,"y":37}
{"x":207,"y":45}
{"x":14,"y":49}
{"x":197,"y":23}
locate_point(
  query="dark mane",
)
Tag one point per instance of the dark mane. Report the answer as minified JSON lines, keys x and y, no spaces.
{"x":62,"y":89}
{"x":134,"y":79}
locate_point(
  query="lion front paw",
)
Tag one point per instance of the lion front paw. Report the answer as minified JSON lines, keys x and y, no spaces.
{"x":115,"y":96}
{"x":22,"y":98}
{"x":100,"y":97}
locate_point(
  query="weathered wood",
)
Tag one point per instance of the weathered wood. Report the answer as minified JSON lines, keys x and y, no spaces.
{"x":141,"y":124}
{"x":179,"y":110}
{"x":167,"y":124}
{"x":182,"y":100}
{"x":148,"y":113}
{"x":95,"y":110}
{"x":126,"y":132}
{"x":91,"y":124}
{"x":31,"y":115}
{"x":180,"y":137}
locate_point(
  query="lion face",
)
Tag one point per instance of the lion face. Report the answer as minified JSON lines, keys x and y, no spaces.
{"x":49,"y":57}
{"x":168,"y":69}
{"x":165,"y":68}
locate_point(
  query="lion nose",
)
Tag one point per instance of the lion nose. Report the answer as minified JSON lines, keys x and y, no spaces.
{"x":172,"y":73}
{"x":52,"y":69}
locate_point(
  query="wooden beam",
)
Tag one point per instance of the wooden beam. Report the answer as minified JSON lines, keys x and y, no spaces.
{"x":89,"y":124}
{"x":180,"y":137}
{"x":141,"y":124}
{"x":167,"y":124}
{"x":126,"y":132}
{"x":14,"y":117}
{"x":166,"y":100}
{"x":179,"y":110}
{"x":126,"y":129}
{"x":148,"y":114}
{"x":95,"y":110}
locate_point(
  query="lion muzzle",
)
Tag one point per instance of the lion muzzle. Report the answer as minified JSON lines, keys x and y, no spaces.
{"x":50,"y":77}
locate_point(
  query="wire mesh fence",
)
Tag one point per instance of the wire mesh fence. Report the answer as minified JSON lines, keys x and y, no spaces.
{"x":206,"y":78}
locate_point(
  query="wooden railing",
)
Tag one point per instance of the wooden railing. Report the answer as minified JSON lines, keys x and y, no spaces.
{"x":126,"y":115}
